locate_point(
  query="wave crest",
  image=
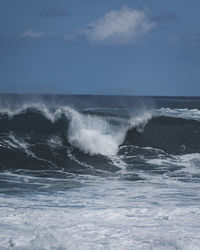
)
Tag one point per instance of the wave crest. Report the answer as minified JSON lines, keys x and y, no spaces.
{"x":91,"y":133}
{"x":101,"y":133}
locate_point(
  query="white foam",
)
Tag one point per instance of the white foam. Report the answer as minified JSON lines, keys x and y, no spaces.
{"x":91,"y":139}
{"x":14,"y":142}
{"x":193,"y":114}
{"x":104,"y":214}
{"x":190,"y":162}
{"x":95,"y":135}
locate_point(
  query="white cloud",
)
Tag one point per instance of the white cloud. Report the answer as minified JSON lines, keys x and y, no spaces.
{"x":30,"y":33}
{"x":119,"y":27}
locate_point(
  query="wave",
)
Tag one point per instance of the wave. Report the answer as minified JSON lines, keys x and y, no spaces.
{"x":189,"y":114}
{"x":92,"y":132}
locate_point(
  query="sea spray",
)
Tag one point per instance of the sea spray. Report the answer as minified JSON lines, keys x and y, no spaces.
{"x":95,"y":135}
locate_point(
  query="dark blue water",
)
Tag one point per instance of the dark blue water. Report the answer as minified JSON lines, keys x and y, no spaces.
{"x":99,"y":172}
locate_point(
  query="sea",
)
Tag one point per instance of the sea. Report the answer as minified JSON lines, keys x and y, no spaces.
{"x":99,"y":172}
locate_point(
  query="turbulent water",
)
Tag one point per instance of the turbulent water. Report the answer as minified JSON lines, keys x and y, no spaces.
{"x":99,"y":172}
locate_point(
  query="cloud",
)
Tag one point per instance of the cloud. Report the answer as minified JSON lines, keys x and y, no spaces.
{"x":165,"y":17}
{"x":30,"y":33}
{"x":54,"y":12}
{"x":119,"y":27}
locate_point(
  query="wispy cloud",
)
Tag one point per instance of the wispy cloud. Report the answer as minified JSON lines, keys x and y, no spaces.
{"x":54,"y":12}
{"x":30,"y":33}
{"x":119,"y":27}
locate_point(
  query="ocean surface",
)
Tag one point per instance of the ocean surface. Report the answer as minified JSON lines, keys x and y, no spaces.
{"x":99,"y":172}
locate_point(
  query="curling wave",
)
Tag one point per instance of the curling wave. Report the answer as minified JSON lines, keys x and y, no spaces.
{"x":175,"y":131}
{"x":92,"y":133}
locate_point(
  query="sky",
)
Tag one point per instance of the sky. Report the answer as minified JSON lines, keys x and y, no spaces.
{"x":112,"y":47}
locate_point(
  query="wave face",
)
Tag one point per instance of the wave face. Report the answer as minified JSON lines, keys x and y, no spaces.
{"x":119,"y":173}
{"x":91,"y":133}
{"x":100,"y":133}
{"x":40,"y":136}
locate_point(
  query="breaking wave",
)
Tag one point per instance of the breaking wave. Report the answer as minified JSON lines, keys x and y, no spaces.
{"x":124,"y":167}
{"x":101,"y":133}
{"x":92,"y":133}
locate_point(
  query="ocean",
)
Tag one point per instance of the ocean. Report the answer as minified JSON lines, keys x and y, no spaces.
{"x":99,"y":172}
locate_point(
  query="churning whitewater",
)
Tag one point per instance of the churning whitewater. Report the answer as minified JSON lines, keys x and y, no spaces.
{"x":86,"y":172}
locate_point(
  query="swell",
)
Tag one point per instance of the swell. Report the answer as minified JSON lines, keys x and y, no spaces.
{"x":32,"y":121}
{"x":38,"y":118}
{"x":48,"y":156}
{"x":102,"y":133}
{"x":173,"y":135}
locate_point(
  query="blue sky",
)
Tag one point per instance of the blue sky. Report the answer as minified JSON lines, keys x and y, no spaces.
{"x":128,"y":47}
